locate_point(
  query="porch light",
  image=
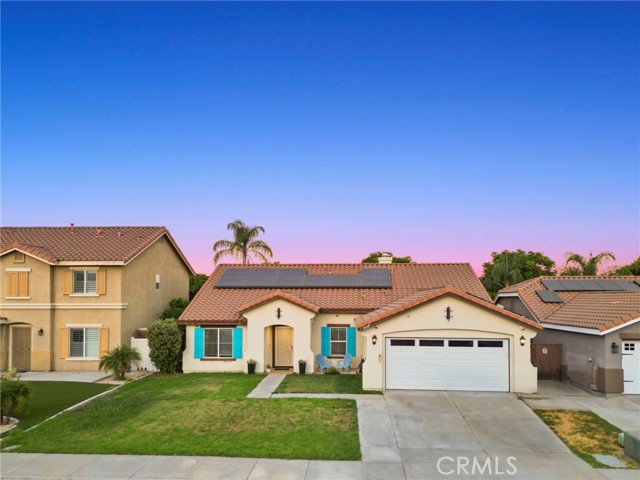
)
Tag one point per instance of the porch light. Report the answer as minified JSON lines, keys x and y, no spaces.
{"x":615,"y":348}
{"x":523,"y":340}
{"x":41,"y":332}
{"x":374,"y":339}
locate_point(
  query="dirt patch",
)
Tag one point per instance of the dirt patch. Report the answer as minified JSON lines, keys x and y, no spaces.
{"x":129,"y":376}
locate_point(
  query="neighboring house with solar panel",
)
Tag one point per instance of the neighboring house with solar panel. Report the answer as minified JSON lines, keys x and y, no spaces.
{"x":595,"y":319}
{"x":419,"y":326}
{"x":69,"y":294}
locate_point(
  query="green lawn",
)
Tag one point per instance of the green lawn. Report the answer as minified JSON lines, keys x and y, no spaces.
{"x":49,"y":398}
{"x":323,"y":384}
{"x":200,"y":414}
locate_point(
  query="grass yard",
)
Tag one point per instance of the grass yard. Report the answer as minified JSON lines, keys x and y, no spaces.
{"x":323,"y":384}
{"x":49,"y":398}
{"x":585,"y":433}
{"x":200,"y":414}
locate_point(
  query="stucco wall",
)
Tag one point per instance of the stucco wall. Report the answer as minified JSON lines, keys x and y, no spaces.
{"x":324,"y":319}
{"x":468,"y":321}
{"x":190,"y":364}
{"x":516,"y":305}
{"x":145,"y":302}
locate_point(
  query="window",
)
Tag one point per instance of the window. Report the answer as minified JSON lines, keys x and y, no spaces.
{"x":84,"y":281}
{"x":396,"y":342}
{"x":338,"y":341}
{"x":629,"y":347}
{"x":84,"y":342}
{"x":18,"y":283}
{"x":490,"y":343}
{"x":18,"y":257}
{"x":218,"y":342}
{"x":432,"y":343}
{"x":461,"y":343}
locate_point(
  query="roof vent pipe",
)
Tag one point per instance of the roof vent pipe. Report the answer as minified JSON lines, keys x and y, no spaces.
{"x":385,"y":258}
{"x":71,"y":226}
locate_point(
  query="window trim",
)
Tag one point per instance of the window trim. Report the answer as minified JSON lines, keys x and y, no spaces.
{"x":84,"y":342}
{"x":204,"y":347}
{"x":84,"y":293}
{"x":332,"y":342}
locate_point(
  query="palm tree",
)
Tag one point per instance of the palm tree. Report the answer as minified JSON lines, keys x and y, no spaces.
{"x":119,"y":359}
{"x":14,"y":399}
{"x":244,"y":243}
{"x":505,"y":272}
{"x":576,"y":264}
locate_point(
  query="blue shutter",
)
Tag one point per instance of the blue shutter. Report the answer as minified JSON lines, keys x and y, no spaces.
{"x":326,"y":341}
{"x":198,"y":342}
{"x":237,"y":343}
{"x":351,"y":341}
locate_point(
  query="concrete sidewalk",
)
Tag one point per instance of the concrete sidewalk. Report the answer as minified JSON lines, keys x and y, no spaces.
{"x":85,"y":377}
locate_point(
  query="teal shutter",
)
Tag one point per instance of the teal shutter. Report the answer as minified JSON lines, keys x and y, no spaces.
{"x":351,"y":341}
{"x":326,"y":341}
{"x":198,"y":342}
{"x":237,"y":343}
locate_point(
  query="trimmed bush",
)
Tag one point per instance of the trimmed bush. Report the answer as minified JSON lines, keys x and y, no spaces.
{"x":165,"y":344}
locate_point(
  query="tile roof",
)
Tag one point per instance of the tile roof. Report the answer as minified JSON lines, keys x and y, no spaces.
{"x":223,"y":305}
{"x":280,"y":294}
{"x":419,"y":298}
{"x":599,"y":310}
{"x":83,"y":244}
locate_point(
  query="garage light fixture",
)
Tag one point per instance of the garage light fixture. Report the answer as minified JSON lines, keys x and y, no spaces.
{"x":374,"y":339}
{"x":615,"y":348}
{"x":522,"y":340}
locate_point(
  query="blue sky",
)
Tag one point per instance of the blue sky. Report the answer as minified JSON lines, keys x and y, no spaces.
{"x":443,"y":131}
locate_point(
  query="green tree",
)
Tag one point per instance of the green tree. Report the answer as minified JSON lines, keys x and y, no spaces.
{"x":576,"y":264}
{"x":373,"y":258}
{"x":243,"y":245}
{"x":118,"y":359}
{"x":632,"y":269}
{"x":195,"y":284}
{"x":175,"y":308}
{"x":509,"y":267}
{"x":14,"y":399}
{"x":165,"y":344}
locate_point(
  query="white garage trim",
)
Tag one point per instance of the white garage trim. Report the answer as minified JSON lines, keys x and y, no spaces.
{"x":631,"y":366}
{"x":441,"y":363}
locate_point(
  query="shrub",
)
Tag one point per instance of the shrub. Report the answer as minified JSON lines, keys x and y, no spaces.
{"x":14,"y":399}
{"x":165,"y":344}
{"x":332,"y":371}
{"x":175,"y":308}
{"x":119,"y":359}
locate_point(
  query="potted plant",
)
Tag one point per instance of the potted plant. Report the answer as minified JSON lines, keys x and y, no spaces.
{"x":268,"y":368}
{"x":302,"y":366}
{"x":251,"y":364}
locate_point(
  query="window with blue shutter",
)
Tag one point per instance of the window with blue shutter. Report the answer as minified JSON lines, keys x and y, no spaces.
{"x":351,"y":341}
{"x":237,"y":343}
{"x":325,"y":335}
{"x":198,"y":342}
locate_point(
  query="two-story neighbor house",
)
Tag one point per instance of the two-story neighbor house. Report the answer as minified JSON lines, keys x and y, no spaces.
{"x":70,"y":294}
{"x":419,"y":326}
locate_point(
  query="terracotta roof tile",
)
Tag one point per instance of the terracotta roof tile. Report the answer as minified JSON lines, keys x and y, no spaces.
{"x":283,"y":295}
{"x":223,"y":305}
{"x":83,"y":244}
{"x":600,"y":310}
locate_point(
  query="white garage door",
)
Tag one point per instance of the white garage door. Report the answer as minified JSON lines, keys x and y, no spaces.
{"x":447,"y":364}
{"x":631,"y":367}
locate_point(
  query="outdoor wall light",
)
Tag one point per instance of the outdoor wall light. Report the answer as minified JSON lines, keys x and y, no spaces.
{"x":374,"y":339}
{"x":523,"y":340}
{"x":41,"y":332}
{"x":615,"y":348}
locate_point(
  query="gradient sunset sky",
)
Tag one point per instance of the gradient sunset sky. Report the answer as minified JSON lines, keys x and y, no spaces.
{"x":444,"y":131}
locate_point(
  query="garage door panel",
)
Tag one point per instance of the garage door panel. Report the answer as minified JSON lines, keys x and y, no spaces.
{"x":441,"y":364}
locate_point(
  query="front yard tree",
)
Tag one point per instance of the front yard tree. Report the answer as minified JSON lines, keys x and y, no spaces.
{"x":632,"y":269}
{"x":165,"y":344}
{"x":576,"y":264}
{"x":510,"y":267}
{"x":195,"y":284}
{"x":119,"y":359}
{"x":14,"y":399}
{"x":244,"y":244}
{"x":373,"y":258}
{"x":175,"y":308}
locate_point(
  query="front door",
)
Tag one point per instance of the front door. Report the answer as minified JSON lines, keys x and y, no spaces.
{"x":631,"y":367}
{"x":21,"y":348}
{"x":284,"y":347}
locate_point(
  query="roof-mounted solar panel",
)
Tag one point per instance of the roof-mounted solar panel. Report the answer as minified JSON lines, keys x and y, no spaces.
{"x":299,"y":278}
{"x":549,"y":296}
{"x":591,"y":285}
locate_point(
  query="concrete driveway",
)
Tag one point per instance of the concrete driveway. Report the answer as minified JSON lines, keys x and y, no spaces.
{"x":460,"y":428}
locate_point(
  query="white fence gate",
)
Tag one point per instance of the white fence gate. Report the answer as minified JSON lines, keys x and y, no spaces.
{"x":142,"y":345}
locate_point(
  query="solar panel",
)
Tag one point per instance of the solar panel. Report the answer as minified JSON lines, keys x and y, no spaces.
{"x":299,"y":278}
{"x":549,"y":296}
{"x":591,"y":285}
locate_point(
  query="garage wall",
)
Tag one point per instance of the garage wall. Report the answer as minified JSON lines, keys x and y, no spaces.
{"x":468,"y":321}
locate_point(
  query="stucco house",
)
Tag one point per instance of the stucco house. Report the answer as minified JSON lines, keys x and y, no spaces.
{"x":418,"y":326}
{"x":69,"y":294}
{"x":595,"y":319}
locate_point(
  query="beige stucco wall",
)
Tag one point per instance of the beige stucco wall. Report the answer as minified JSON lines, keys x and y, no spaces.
{"x":469,"y":321}
{"x":145,"y":303}
{"x":324,"y":319}
{"x":190,"y":364}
